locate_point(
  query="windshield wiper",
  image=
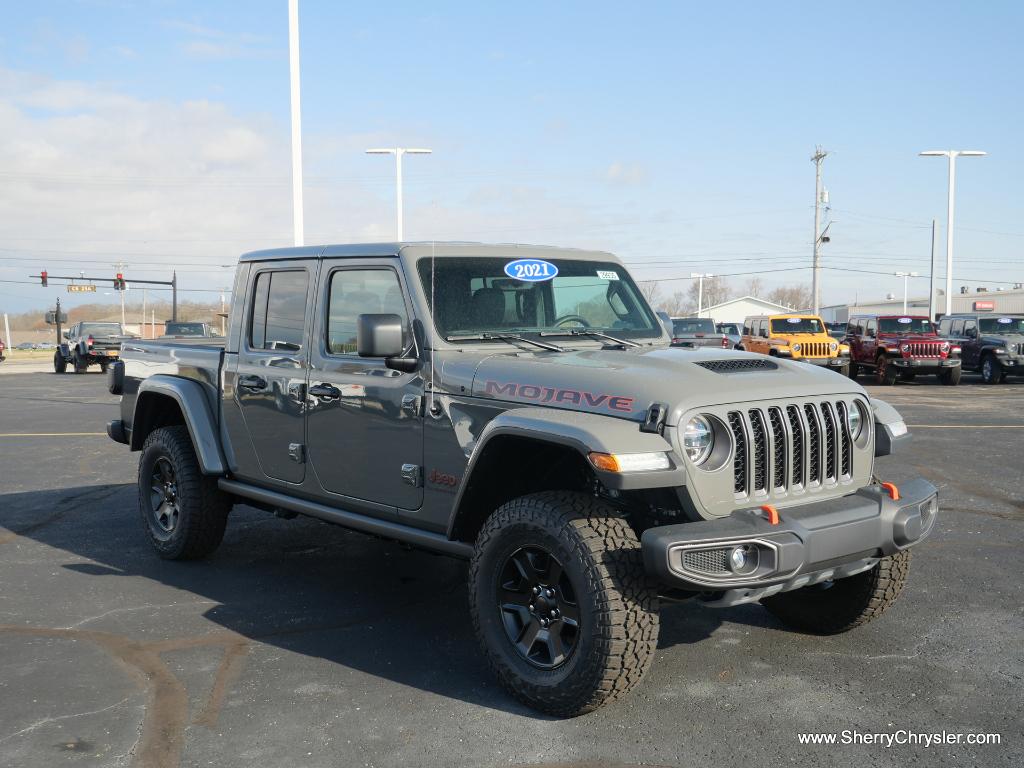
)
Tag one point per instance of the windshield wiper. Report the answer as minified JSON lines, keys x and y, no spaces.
{"x":504,"y":337}
{"x":596,"y":334}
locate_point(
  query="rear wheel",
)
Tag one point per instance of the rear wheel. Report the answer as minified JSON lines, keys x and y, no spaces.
{"x":839,"y":606}
{"x":885,"y":372}
{"x":182,"y":509}
{"x":81,"y":364}
{"x":60,"y":365}
{"x":950,"y":376}
{"x":561,"y":603}
{"x":854,"y":370}
{"x":103,"y":367}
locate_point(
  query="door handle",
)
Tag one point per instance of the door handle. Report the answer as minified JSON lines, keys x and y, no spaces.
{"x":253,"y":383}
{"x":325,"y":391}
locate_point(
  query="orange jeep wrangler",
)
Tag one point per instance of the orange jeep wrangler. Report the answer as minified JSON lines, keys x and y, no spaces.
{"x":798,"y":337}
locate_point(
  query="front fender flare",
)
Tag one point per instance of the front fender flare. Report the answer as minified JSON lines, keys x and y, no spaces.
{"x":890,"y":429}
{"x":584,"y":433}
{"x":202,"y":426}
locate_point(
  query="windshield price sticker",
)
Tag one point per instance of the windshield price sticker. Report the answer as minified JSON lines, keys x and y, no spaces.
{"x":531,"y":270}
{"x":904,"y":320}
{"x":1005,"y":320}
{"x":794,"y":320}
{"x":607,"y":275}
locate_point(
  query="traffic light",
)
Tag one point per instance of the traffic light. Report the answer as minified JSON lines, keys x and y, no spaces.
{"x":119,"y":282}
{"x":42,"y":277}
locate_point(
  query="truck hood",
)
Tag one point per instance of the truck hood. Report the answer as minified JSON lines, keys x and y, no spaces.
{"x":624,"y":383}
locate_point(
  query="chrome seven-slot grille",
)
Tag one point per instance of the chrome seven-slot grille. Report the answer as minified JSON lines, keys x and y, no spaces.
{"x":790,"y":446}
{"x":924,"y":348}
{"x":815,"y":349}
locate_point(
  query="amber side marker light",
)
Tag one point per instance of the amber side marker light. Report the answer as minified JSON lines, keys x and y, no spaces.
{"x":629,"y":462}
{"x":892,"y":490}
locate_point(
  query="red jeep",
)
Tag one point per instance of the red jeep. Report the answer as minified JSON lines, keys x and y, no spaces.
{"x":900,"y":346}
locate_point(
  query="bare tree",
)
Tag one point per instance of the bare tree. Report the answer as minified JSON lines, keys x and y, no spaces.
{"x":651,"y":291}
{"x":792,"y":296}
{"x":716,"y":290}
{"x":753,"y":287}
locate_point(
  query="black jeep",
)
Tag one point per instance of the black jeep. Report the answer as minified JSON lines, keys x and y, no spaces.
{"x":992,"y":344}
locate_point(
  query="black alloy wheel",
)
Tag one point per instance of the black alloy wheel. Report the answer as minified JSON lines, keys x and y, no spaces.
{"x":163,"y":497}
{"x":539,"y":609}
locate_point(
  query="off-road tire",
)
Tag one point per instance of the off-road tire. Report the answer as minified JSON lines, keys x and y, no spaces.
{"x":60,"y":365}
{"x":203,"y":509}
{"x":951,"y":376}
{"x":844,"y":370}
{"x":617,"y":601}
{"x":81,"y":364}
{"x":845,"y":603}
{"x":885,"y":372}
{"x":992,"y":370}
{"x":854,"y":371}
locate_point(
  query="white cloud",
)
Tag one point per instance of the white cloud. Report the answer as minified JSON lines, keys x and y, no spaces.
{"x":625,"y":174}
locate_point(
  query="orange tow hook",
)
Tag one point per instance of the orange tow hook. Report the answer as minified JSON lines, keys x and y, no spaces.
{"x":772,"y":513}
{"x":892,"y":490}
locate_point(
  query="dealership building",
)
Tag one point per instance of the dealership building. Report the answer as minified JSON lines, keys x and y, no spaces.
{"x":996,"y":302}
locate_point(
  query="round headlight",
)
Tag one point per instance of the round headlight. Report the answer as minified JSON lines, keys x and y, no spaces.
{"x":698,"y":439}
{"x":945,"y":346}
{"x":796,"y":347}
{"x":854,"y":420}
{"x":905,"y":347}
{"x":833,"y":346}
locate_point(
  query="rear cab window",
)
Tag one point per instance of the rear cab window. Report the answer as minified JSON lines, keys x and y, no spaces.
{"x":278,"y":318}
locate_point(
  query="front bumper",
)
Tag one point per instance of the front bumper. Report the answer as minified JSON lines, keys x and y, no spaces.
{"x":924,"y":364}
{"x":829,"y":362}
{"x":811,"y":543}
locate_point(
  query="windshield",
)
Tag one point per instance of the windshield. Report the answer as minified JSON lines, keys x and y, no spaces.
{"x":185,"y":329}
{"x":1001,"y":325}
{"x":101,"y":329}
{"x":487,"y":295}
{"x":797,"y":325}
{"x":905,"y":325}
{"x":729,"y":328}
{"x":689,"y":325}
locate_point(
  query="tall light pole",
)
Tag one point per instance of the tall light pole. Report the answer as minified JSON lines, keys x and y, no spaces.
{"x":700,"y":289}
{"x":906,"y":276}
{"x":398,"y":152}
{"x":952,"y":154}
{"x":293,"y":70}
{"x":817,"y":158}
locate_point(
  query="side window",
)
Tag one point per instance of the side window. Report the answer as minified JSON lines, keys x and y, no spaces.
{"x":746,"y":327}
{"x":355,"y":292}
{"x":278,"y":311}
{"x":762,"y":327}
{"x":871,"y":327}
{"x":958,"y":327}
{"x":945,"y":325}
{"x":969,"y":325}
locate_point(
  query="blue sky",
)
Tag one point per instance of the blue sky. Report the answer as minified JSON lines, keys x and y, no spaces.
{"x":674,"y":133}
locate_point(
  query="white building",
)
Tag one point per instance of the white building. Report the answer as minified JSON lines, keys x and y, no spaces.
{"x":735,"y":310}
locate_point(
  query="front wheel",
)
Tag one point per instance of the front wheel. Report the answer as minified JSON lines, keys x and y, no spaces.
{"x":182,"y":509}
{"x":992,"y":370}
{"x":886,"y":372}
{"x":565,"y":613}
{"x":838,"y":606}
{"x":854,"y":370}
{"x":60,"y":365}
{"x":950,"y":376}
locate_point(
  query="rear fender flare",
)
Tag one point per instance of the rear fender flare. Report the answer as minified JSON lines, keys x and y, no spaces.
{"x":195,"y":408}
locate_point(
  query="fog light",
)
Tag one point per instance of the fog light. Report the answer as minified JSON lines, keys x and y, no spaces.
{"x":743,"y":559}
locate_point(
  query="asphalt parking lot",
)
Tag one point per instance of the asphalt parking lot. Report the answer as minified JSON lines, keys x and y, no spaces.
{"x":299,"y":643}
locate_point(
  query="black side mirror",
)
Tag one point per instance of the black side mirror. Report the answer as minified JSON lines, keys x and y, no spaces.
{"x":382,"y":336}
{"x":871,"y":333}
{"x":971,"y":333}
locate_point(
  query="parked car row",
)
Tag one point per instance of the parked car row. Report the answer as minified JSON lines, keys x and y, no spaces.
{"x":893,"y":348}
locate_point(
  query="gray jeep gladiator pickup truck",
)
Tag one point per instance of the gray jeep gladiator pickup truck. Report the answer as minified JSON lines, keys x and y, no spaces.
{"x":522,"y":408}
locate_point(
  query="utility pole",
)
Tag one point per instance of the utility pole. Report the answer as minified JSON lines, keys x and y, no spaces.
{"x":931,"y":280}
{"x":906,"y":276}
{"x":700,"y":289}
{"x":174,"y":296}
{"x":817,"y":158}
{"x":399,"y":152}
{"x":293,"y":71}
{"x":142,"y":328}
{"x":120,"y":270}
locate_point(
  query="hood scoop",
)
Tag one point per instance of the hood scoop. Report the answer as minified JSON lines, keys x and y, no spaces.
{"x":737,"y":366}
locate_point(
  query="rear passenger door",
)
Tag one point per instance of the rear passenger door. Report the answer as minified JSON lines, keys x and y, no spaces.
{"x":268,"y":384}
{"x":970,"y":345}
{"x":869,"y":341}
{"x":365,"y":423}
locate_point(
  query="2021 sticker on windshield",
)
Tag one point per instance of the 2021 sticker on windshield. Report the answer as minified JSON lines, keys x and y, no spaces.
{"x":531,"y":270}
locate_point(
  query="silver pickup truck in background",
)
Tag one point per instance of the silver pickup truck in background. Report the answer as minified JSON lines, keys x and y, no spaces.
{"x":523,"y":408}
{"x":693,"y":332}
